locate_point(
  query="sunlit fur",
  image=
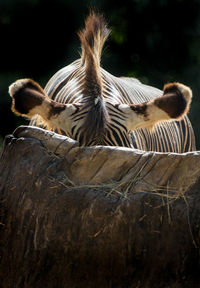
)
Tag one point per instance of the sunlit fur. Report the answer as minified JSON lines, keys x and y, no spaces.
{"x":101,"y":109}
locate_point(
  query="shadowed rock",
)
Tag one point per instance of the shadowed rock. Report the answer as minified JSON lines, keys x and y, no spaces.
{"x":96,"y":216}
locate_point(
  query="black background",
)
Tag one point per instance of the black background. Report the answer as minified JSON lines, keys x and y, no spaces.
{"x":157,"y":41}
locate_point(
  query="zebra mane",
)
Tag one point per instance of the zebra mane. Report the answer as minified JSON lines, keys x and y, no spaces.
{"x":92,"y":38}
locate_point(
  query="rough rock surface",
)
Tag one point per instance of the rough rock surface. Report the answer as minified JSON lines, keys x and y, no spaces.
{"x":96,"y":216}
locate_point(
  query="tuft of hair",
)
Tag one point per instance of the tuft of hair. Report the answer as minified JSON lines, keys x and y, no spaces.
{"x":22,"y":84}
{"x":93,"y":37}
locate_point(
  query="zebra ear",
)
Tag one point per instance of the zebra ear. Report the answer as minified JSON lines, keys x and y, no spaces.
{"x":26,"y":95}
{"x":173,"y":105}
{"x":29,"y":99}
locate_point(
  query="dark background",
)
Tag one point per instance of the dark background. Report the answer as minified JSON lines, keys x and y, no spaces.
{"x":156,"y":41}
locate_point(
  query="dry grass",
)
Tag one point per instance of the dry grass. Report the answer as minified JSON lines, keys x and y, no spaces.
{"x":126,"y":186}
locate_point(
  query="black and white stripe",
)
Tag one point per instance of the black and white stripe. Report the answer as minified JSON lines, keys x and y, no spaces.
{"x":66,"y":86}
{"x":88,"y":104}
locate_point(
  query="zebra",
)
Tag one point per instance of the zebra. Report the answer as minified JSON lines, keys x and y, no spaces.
{"x":90,"y":105}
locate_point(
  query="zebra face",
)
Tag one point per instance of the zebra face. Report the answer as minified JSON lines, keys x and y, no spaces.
{"x":90,"y":105}
{"x":99,"y":122}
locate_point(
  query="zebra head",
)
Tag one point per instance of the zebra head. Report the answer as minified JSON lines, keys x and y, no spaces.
{"x":90,"y":105}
